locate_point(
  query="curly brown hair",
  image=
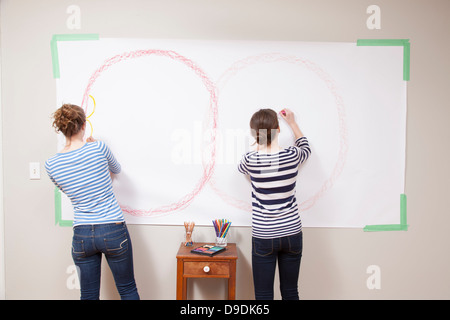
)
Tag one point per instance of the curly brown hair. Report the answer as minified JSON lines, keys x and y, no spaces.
{"x":69,"y":119}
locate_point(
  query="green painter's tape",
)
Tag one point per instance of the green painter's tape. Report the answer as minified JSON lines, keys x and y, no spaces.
{"x":392,"y":42}
{"x":403,"y":210}
{"x":66,"y":37}
{"x":76,"y":37}
{"x":58,"y":211}
{"x":55,"y":59}
{"x":57,"y":205}
{"x":393,"y":227}
{"x":385,"y":227}
{"x":381,"y":42}
{"x":406,"y":53}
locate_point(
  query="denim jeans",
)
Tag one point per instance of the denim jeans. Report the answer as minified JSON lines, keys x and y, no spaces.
{"x":265,"y":253}
{"x":113,"y":240}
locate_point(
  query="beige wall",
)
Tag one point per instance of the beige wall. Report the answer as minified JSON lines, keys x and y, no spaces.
{"x":413,"y":264}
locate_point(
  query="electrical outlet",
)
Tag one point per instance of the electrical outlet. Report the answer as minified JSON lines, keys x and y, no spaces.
{"x":35,"y":170}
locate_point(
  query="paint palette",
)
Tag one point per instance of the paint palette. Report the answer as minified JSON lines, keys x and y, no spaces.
{"x":208,"y":250}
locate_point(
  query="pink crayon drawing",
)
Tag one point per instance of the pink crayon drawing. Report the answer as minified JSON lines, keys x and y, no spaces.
{"x":331,"y":85}
{"x":210,"y":87}
{"x":209,"y":164}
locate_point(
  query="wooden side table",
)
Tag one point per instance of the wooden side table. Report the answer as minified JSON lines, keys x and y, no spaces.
{"x":191,"y":265}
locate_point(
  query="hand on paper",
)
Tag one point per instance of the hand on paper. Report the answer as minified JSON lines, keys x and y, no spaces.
{"x":90,"y":139}
{"x":289,"y":117}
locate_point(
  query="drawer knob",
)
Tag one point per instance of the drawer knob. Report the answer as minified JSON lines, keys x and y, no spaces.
{"x":206,"y":269}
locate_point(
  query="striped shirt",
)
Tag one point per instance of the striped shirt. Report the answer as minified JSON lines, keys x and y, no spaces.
{"x":273,"y":176}
{"x":84,"y":176}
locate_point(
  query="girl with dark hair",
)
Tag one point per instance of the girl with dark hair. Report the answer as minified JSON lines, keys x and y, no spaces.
{"x":276,"y":224}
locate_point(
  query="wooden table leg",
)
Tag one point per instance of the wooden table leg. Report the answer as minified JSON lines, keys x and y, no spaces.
{"x":181,"y":281}
{"x":232,"y":281}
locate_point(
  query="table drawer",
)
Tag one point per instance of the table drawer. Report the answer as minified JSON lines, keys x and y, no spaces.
{"x":206,"y":268}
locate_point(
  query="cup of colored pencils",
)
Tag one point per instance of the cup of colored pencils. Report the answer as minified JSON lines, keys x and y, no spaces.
{"x":189,"y":227}
{"x":221,"y":227}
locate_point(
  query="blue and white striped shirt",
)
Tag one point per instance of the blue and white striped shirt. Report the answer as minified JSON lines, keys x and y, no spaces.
{"x":273,"y":176}
{"x":84,"y":176}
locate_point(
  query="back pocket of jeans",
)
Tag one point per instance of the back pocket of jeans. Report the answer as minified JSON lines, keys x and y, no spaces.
{"x":117,"y":245}
{"x":78,"y":249}
{"x":296,"y":243}
{"x":262,"y":247}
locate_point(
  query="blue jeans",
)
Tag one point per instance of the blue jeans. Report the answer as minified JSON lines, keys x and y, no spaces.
{"x":265,"y":253}
{"x":113,"y":240}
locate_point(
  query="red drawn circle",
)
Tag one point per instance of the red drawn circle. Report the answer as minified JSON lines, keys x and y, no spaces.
{"x":274,"y":57}
{"x":210,"y":87}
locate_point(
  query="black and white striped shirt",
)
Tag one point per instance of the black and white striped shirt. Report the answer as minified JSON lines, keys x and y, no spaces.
{"x":274,"y":206}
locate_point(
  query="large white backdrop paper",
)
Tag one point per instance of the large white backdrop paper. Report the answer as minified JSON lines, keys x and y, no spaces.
{"x":176,"y":115}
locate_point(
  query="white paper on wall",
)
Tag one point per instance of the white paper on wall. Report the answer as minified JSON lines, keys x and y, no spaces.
{"x":176,"y":115}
